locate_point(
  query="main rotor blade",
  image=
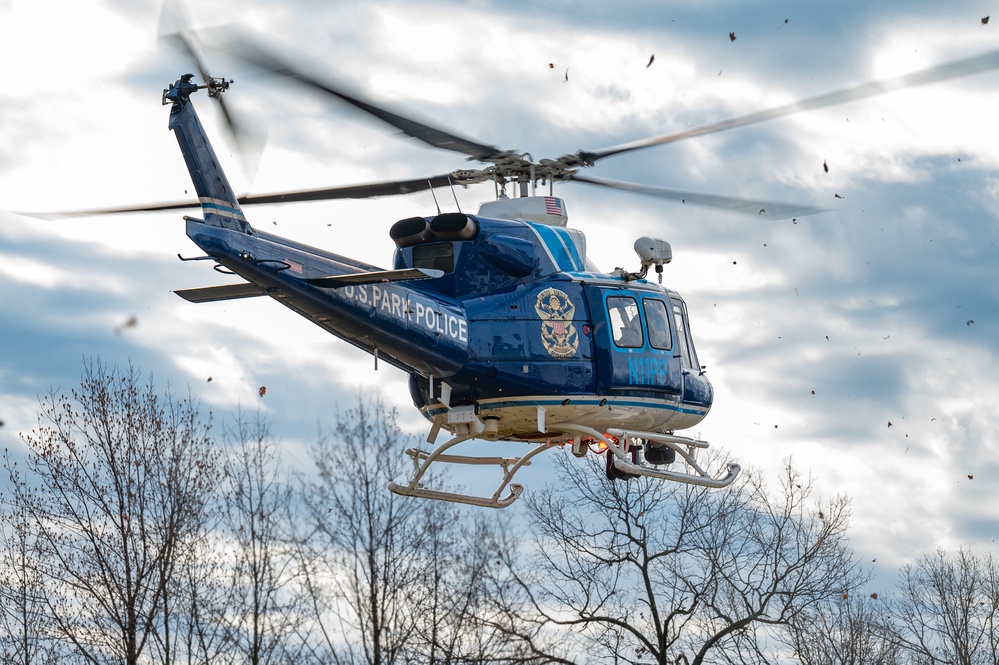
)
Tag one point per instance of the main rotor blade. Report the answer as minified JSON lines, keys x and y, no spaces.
{"x":759,"y":207}
{"x":369,"y":190}
{"x":951,"y":70}
{"x":437,"y":138}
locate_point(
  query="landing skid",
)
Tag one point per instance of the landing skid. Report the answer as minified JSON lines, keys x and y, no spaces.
{"x":510,"y":465}
{"x":617,"y":442}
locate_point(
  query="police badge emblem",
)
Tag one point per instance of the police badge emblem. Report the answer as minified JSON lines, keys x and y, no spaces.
{"x":558,"y":334}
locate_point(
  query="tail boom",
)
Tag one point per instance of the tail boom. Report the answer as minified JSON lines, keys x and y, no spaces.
{"x":218,"y":202}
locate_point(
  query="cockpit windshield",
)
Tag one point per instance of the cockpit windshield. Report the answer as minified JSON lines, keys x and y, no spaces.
{"x":688,"y":357}
{"x":660,"y":335}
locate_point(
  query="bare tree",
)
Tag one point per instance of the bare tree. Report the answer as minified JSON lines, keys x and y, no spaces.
{"x":777,"y":555}
{"x":947,"y":609}
{"x":392,"y":579}
{"x":644,"y":571}
{"x":122,"y":478}
{"x":23,"y":625}
{"x":854,"y":629}
{"x":450,"y":602}
{"x":263,"y":599}
{"x":366,"y":541}
{"x":203,"y":591}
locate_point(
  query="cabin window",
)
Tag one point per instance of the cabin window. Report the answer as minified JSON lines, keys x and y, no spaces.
{"x":688,"y":358}
{"x":625,"y":323}
{"x":434,"y":256}
{"x":657,"y":320}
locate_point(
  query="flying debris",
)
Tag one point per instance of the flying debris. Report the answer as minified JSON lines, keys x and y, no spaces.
{"x":651,"y":60}
{"x":209,"y":380}
{"x":889,"y":423}
{"x":874,"y":596}
{"x":970,"y":321}
{"x":262,"y":391}
{"x":971,"y":476}
{"x":825,"y":166}
{"x":838,"y":196}
{"x":131,"y":322}
{"x":985,"y":20}
{"x":731,"y":36}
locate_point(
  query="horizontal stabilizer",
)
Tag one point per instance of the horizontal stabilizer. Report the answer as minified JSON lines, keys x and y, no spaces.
{"x":375,"y":277}
{"x":216,"y":293}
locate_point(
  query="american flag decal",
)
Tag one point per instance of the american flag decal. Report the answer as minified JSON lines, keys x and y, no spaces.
{"x":553,"y":206}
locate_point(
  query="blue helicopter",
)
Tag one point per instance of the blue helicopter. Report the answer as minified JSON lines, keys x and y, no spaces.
{"x":505,"y":328}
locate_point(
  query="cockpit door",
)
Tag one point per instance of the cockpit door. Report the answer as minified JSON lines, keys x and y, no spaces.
{"x":634,"y":341}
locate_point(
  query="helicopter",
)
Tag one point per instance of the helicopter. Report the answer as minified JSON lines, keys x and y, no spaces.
{"x":506,"y":329}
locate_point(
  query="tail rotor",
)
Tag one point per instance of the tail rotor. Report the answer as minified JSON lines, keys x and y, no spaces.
{"x":175,"y":31}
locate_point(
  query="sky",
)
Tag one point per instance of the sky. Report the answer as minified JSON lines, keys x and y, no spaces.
{"x":861,"y":342}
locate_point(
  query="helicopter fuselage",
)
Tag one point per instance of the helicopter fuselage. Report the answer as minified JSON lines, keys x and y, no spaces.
{"x":589,"y":348}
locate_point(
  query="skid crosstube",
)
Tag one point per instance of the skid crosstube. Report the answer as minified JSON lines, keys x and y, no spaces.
{"x":510,"y":465}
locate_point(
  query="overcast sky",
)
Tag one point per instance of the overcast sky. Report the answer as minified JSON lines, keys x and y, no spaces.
{"x":861,"y":341}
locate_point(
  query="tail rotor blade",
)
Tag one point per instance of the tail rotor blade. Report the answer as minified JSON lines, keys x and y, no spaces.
{"x":174,"y":31}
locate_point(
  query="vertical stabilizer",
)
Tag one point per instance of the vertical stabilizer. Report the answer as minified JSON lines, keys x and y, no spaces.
{"x":218,"y":202}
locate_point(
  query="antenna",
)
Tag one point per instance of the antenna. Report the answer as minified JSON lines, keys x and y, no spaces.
{"x":435,"y":196}
{"x":454,"y":194}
